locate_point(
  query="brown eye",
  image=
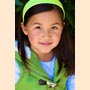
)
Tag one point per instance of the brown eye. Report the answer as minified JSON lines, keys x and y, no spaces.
{"x":54,"y":28}
{"x":37,"y":27}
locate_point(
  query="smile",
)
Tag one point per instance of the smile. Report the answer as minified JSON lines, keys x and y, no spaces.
{"x":45,"y":43}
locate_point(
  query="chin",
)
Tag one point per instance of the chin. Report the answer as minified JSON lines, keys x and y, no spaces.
{"x":46,"y":51}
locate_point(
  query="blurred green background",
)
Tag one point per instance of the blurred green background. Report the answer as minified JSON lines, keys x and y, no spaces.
{"x":69,"y":6}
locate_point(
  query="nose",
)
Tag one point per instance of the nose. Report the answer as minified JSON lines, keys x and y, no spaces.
{"x":46,"y":33}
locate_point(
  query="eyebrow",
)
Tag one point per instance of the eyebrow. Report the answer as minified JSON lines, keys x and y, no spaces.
{"x":56,"y":23}
{"x":51,"y":24}
{"x":37,"y":23}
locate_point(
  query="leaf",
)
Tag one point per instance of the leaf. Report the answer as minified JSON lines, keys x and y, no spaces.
{"x":18,"y":3}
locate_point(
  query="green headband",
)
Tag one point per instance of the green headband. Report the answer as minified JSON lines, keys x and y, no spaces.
{"x":32,"y":3}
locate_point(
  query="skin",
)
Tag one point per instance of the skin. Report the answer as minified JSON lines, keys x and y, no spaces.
{"x":44,"y":32}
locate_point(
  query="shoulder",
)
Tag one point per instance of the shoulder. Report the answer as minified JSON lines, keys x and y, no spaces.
{"x":70,"y":84}
{"x":27,"y":49}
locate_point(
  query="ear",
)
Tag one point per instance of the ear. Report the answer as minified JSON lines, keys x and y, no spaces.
{"x":24,"y":29}
{"x":63,"y":24}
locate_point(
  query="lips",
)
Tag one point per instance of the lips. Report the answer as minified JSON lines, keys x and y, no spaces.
{"x":45,"y":43}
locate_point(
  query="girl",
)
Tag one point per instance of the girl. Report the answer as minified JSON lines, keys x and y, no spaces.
{"x":44,"y":57}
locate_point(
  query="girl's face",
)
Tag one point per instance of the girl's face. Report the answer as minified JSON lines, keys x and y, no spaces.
{"x":44,"y":31}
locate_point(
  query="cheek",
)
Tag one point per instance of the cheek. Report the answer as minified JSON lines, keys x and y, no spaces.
{"x":33,"y":37}
{"x":57,"y":37}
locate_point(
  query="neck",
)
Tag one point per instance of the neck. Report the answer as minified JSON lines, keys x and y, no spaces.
{"x":46,"y":57}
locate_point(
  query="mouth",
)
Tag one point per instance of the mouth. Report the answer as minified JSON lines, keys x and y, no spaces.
{"x":45,"y":43}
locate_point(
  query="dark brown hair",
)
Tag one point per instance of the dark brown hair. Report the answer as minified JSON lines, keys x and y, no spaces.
{"x":63,"y":51}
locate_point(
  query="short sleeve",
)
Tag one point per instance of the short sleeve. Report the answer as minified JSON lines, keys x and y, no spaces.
{"x":70,"y":84}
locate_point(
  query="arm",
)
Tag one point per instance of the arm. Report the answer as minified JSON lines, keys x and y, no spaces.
{"x":17,"y":72}
{"x":70,"y":84}
{"x":17,"y":68}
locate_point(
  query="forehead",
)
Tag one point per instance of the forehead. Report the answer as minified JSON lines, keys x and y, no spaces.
{"x":46,"y":17}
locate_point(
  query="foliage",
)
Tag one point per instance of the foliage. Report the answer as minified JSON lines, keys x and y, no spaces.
{"x":69,"y":6}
